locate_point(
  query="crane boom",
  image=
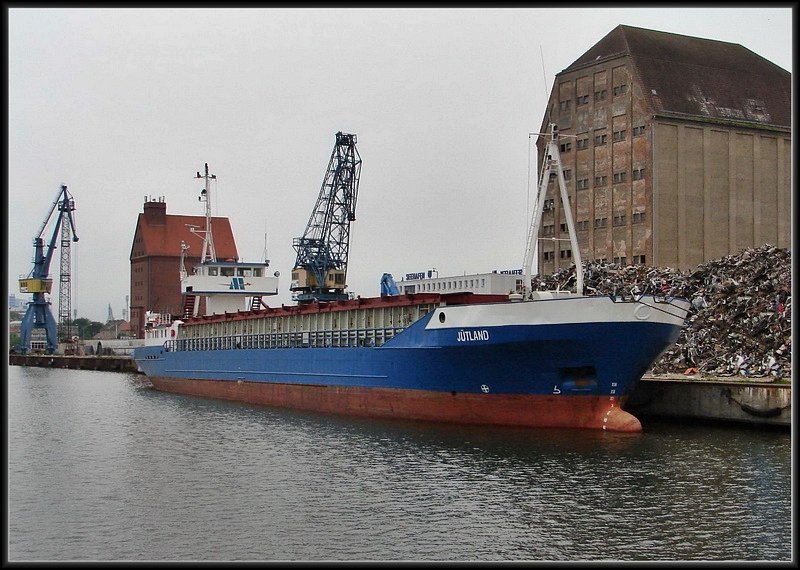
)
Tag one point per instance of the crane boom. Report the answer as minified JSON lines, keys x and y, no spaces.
{"x":320,"y":271}
{"x":551,"y":166}
{"x":39,"y":282}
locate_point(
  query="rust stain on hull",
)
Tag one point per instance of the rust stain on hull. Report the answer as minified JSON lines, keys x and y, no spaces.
{"x":594,"y":412}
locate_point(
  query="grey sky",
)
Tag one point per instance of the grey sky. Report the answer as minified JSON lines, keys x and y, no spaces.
{"x":125,"y":102}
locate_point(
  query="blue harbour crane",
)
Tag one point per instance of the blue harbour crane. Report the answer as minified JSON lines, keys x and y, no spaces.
{"x":39,"y":281}
{"x":320,"y":271}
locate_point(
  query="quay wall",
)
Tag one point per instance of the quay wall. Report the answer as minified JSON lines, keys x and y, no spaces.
{"x":730,"y":400}
{"x":105,"y":363}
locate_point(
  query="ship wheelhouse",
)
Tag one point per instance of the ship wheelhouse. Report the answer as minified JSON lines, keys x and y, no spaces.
{"x":230,"y":286}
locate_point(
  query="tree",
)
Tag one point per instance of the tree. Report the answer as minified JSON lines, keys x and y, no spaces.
{"x":86,"y":328}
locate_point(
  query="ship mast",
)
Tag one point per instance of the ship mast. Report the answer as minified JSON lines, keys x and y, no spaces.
{"x":208,"y":253}
{"x":552,"y":165}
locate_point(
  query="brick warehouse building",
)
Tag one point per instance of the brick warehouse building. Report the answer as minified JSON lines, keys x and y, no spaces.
{"x":676,"y":150}
{"x":155,"y":258}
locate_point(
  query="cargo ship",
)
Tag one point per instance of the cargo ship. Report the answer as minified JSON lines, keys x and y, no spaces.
{"x":458,"y":354}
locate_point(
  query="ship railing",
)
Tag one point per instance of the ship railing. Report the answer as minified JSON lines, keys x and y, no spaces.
{"x":369,"y":337}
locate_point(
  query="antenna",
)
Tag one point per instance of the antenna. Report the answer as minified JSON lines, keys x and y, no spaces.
{"x":266,"y":257}
{"x":208,"y":241}
{"x":544,"y":74}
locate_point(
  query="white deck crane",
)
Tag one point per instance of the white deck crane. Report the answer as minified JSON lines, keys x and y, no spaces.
{"x":551,"y":164}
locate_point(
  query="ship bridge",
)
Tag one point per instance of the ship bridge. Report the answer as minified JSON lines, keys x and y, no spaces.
{"x":226,"y":284}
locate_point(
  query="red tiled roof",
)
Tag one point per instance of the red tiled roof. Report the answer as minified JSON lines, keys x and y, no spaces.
{"x":164,"y":239}
{"x":700,"y":77}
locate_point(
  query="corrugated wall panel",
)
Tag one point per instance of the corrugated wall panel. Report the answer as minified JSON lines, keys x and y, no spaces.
{"x":692,"y":203}
{"x":715,"y":198}
{"x":665,"y":187}
{"x":765,"y":194}
{"x":741,"y":197}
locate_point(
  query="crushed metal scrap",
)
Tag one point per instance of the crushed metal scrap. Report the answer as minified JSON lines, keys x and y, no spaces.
{"x":740,"y":320}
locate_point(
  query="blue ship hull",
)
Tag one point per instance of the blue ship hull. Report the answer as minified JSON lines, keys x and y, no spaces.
{"x":593,"y":363}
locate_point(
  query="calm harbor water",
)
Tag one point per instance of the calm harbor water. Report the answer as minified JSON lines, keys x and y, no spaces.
{"x":101,"y":467}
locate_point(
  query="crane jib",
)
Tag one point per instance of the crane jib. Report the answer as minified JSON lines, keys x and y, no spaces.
{"x":321,"y":266}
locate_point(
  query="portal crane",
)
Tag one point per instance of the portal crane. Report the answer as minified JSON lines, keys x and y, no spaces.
{"x":39,"y":282}
{"x":320,"y":270}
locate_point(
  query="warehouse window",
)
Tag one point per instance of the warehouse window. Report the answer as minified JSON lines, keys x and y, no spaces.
{"x":638,"y":173}
{"x":563,"y":227}
{"x":621,"y":260}
{"x":582,"y":143}
{"x":549,"y":204}
{"x":566,"y":253}
{"x":638,"y":260}
{"x":549,"y":255}
{"x":564,"y":106}
{"x":600,"y":180}
{"x":548,"y":230}
{"x":637,"y":217}
{"x":600,"y":222}
{"x":583,"y":100}
{"x":565,"y":147}
{"x":619,"y":135}
{"x":600,"y":95}
{"x":638,"y":130}
{"x":567,"y":174}
{"x":582,"y":184}
{"x":620,"y":177}
{"x":600,"y":140}
{"x":619,"y":220}
{"x":583,"y":225}
{"x":620,"y":89}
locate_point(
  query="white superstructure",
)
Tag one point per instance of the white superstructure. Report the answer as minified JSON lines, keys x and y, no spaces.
{"x":494,"y":283}
{"x":226,"y":286}
{"x":229,"y":286}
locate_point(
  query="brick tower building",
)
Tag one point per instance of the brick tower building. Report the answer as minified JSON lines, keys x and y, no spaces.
{"x":155,"y":258}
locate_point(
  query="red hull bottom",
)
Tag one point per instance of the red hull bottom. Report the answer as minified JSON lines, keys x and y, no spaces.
{"x":594,"y":412}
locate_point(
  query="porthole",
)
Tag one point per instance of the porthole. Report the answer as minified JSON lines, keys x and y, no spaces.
{"x":441,"y":317}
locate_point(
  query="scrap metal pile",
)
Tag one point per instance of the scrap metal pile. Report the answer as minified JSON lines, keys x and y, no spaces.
{"x":740,"y":320}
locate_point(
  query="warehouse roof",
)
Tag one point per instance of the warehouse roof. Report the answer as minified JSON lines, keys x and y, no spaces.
{"x":685,"y":75}
{"x":160,"y":234}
